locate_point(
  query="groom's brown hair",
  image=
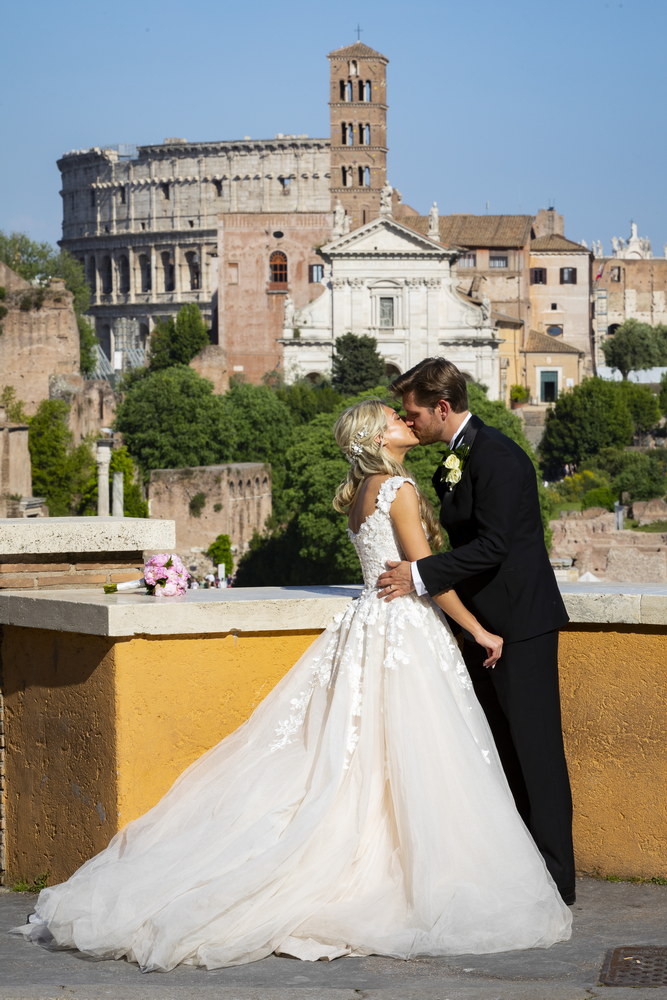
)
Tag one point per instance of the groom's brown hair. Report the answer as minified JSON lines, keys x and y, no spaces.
{"x":433,"y":379}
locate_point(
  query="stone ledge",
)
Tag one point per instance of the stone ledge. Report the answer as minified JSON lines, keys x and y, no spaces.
{"x":44,"y":535}
{"x":274,"y":609}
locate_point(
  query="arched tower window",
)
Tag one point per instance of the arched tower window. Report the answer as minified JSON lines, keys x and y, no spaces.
{"x":278,"y":268}
{"x":353,"y":67}
{"x":365,"y":135}
{"x":367,"y":91}
{"x":347,"y":176}
{"x":364,"y":176}
{"x":345,"y":90}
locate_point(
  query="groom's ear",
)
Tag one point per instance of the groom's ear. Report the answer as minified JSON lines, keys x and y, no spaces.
{"x":443,"y":408}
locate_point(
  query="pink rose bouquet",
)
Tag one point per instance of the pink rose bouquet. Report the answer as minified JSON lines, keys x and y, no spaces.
{"x":164,"y":576}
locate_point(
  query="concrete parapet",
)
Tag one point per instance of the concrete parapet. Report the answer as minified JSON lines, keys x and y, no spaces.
{"x":109,"y":698}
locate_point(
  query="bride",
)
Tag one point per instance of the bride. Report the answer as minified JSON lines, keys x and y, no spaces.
{"x":362,"y":809}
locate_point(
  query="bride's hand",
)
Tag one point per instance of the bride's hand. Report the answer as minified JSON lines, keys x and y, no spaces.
{"x":493,"y":644}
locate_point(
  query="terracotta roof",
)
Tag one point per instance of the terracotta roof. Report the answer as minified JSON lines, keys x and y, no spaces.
{"x":543,"y":343}
{"x":486,"y":230}
{"x":555,"y":242}
{"x":358,"y":50}
{"x":480,"y":230}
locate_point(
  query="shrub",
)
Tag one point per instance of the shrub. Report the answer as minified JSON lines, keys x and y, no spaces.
{"x":197,"y":504}
{"x":601,"y":496}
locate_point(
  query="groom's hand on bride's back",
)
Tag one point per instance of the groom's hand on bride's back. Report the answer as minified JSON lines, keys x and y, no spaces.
{"x":396,"y":581}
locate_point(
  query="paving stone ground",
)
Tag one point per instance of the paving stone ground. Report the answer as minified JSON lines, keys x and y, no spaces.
{"x":607,"y":915}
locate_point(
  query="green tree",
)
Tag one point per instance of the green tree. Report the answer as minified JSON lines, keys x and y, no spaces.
{"x":170,"y":419}
{"x":13,"y":406}
{"x":662,"y":395}
{"x":356,"y":364}
{"x":87,"y":346}
{"x":642,"y":404}
{"x":305,"y":400}
{"x":633,"y":347}
{"x":59,"y":470}
{"x":639,"y":475}
{"x":261,"y":430}
{"x":592,"y":416}
{"x":220,"y":551}
{"x":177,"y":341}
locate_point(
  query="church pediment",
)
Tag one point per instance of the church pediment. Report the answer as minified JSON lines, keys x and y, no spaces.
{"x":384,"y":237}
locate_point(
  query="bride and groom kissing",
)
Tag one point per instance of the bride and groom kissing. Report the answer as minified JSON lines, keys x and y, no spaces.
{"x":368,"y":806}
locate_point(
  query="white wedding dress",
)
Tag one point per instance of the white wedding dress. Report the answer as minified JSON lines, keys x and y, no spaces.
{"x":362,"y":809}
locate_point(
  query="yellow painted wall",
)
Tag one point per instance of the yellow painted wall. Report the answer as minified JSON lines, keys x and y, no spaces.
{"x":614,"y":697}
{"x":97,"y":729}
{"x":178,"y":697}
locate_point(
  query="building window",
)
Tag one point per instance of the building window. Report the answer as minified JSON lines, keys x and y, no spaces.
{"x":364,"y":176}
{"x":218,"y":188}
{"x":568,"y":275}
{"x":145,"y":272}
{"x":386,"y":312}
{"x":315,"y":273}
{"x":365,"y":135}
{"x":615,"y":274}
{"x":367,"y":91}
{"x":122,"y":195}
{"x":192,"y":260}
{"x":285,"y":183}
{"x":468,"y":259}
{"x":346,"y":173}
{"x":123,"y":275}
{"x":353,"y":68}
{"x":612,"y":328}
{"x":278,"y":268}
{"x":498,"y":260}
{"x":91,"y":271}
{"x":345,"y":90}
{"x":555,"y":330}
{"x":92,"y":197}
{"x":168,"y":271}
{"x":548,"y":387}
{"x":164,"y":188}
{"x":107,"y":286}
{"x":554,"y":306}
{"x":538,"y":275}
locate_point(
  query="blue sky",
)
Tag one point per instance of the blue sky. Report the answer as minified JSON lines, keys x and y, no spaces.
{"x":509,"y":104}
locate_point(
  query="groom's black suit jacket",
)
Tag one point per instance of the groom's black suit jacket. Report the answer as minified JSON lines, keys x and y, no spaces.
{"x":498,"y":563}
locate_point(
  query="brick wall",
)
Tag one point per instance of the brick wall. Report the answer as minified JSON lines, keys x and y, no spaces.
{"x":69,"y":571}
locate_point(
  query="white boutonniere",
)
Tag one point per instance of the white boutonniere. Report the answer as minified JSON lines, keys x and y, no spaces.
{"x":451,"y":467}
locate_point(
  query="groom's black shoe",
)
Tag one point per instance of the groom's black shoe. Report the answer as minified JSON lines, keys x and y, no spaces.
{"x":569,"y":896}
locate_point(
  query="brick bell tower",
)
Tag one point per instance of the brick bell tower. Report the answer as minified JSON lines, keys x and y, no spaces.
{"x":358,"y":113}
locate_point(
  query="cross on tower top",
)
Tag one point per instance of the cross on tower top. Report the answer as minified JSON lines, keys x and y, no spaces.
{"x":358,"y":31}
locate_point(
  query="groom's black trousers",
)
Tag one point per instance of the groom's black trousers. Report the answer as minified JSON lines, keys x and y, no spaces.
{"x":521,"y":700}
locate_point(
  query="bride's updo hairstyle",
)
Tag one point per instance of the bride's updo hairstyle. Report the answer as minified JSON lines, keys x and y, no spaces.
{"x":359,"y":433}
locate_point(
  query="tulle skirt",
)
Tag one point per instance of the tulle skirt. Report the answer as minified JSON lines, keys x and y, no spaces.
{"x":362,"y":809}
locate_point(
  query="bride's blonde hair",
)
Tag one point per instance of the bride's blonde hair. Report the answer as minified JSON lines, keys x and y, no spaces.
{"x":359,"y":433}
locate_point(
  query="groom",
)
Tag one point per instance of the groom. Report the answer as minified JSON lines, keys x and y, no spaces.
{"x":500,"y":569}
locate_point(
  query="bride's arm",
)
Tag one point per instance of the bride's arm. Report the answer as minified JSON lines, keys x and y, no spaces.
{"x":404,"y":513}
